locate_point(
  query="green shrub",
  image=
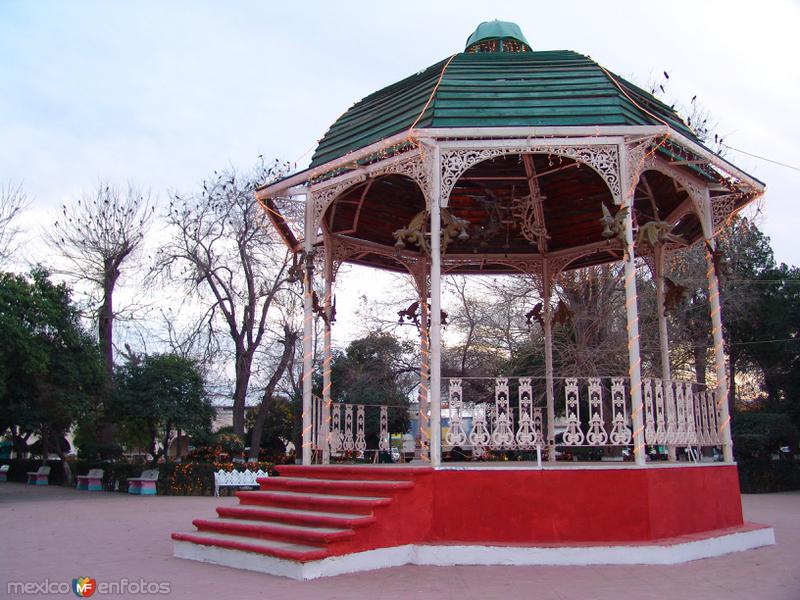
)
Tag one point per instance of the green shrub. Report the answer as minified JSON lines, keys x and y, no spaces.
{"x":20,"y":467}
{"x":758,"y":435}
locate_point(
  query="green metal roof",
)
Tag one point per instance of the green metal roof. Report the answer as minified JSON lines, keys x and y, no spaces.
{"x":496,"y":89}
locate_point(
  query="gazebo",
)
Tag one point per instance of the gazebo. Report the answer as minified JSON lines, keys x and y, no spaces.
{"x":503,"y":160}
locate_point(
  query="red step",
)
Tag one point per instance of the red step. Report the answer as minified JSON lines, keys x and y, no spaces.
{"x":275,"y":548}
{"x":360,"y":472}
{"x":300,"y":517}
{"x":304,"y":500}
{"x":318,"y":485}
{"x":299,"y":534}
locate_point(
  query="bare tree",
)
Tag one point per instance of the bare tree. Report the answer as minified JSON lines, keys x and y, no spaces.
{"x":223,"y":248}
{"x":98,"y":234}
{"x":12,"y":203}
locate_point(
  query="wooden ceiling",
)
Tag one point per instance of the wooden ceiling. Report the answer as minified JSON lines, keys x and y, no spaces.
{"x":485,"y":196}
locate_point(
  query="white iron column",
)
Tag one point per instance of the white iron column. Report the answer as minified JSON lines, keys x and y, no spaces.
{"x":308,"y":327}
{"x":663,"y":333}
{"x":716,"y":332}
{"x":436,"y":312}
{"x":628,"y":186}
{"x":424,"y":368}
{"x":325,"y":421}
{"x":548,"y":360}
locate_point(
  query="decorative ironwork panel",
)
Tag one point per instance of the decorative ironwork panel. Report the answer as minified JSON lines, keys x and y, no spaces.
{"x":672,"y":420}
{"x":526,"y":434}
{"x":456,"y":436}
{"x":383,"y":441}
{"x":323,"y":196}
{"x":336,"y":428}
{"x":714,"y":416}
{"x":691,"y":426}
{"x":418,"y":168}
{"x":573,"y":436}
{"x":708,"y":436}
{"x":348,"y":441}
{"x":538,"y":427}
{"x":596,"y":436}
{"x":661,"y":422}
{"x":649,"y":417}
{"x":702,"y":410}
{"x":603,"y":158}
{"x":620,"y":434}
{"x":479,"y":436}
{"x":361,"y":441}
{"x":503,"y":435}
{"x":680,"y":405}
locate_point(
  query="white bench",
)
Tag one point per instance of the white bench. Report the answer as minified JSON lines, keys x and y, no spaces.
{"x":246,"y":478}
{"x":40,"y":477}
{"x":92,"y":482}
{"x":144,"y":485}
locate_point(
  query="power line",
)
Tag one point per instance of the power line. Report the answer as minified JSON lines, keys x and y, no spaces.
{"x":775,"y":162}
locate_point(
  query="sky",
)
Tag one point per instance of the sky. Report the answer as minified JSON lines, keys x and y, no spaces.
{"x":163,"y":93}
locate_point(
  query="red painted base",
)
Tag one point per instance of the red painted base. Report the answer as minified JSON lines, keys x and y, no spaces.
{"x":309,"y":513}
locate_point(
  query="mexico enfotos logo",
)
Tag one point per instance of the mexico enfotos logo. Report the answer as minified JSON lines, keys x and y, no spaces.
{"x":85,"y":587}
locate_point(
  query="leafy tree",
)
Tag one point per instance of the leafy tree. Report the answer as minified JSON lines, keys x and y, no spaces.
{"x":278,"y":427}
{"x":372,"y":371}
{"x":50,"y":368}
{"x":159,"y":395}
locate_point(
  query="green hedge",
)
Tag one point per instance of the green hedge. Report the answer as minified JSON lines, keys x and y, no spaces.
{"x":764,"y":476}
{"x":174,"y":479}
{"x":21,"y":467}
{"x":757,"y":442}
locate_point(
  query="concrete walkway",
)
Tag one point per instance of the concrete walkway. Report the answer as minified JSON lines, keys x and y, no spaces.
{"x":57,"y":534}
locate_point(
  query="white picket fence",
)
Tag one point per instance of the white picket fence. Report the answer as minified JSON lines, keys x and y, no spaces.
{"x":246,"y":478}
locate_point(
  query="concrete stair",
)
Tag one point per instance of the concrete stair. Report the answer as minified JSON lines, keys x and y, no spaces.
{"x":311,"y":513}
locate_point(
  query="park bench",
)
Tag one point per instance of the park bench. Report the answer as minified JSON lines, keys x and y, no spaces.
{"x":145,"y":484}
{"x":239,"y":479}
{"x":92,"y":482}
{"x":4,"y":472}
{"x":39,"y":477}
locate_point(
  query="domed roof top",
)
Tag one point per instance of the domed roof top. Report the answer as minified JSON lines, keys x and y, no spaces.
{"x":497,"y":84}
{"x":496,"y":30}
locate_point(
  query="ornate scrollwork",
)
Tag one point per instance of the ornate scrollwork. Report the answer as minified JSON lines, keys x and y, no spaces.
{"x":322,"y":197}
{"x":596,"y":435}
{"x":503,"y":435}
{"x":573,"y":436}
{"x":603,"y":158}
{"x":526,"y":434}
{"x":383,"y":439}
{"x":456,"y":436}
{"x":479,"y":437}
{"x":722,"y":208}
{"x":361,"y":441}
{"x":649,"y":417}
{"x":418,"y":167}
{"x":620,"y":433}
{"x":348,"y":442}
{"x":336,"y":439}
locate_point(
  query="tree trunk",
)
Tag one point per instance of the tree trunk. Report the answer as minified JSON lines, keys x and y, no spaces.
{"x":105,"y":331}
{"x":700,"y":362}
{"x":732,"y":358}
{"x":105,"y":327}
{"x":243,"y":361}
{"x":289,"y":342}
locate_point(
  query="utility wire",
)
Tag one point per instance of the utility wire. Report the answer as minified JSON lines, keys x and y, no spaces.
{"x":775,"y":162}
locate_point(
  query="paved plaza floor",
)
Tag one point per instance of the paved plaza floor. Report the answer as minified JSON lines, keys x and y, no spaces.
{"x":54,"y":534}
